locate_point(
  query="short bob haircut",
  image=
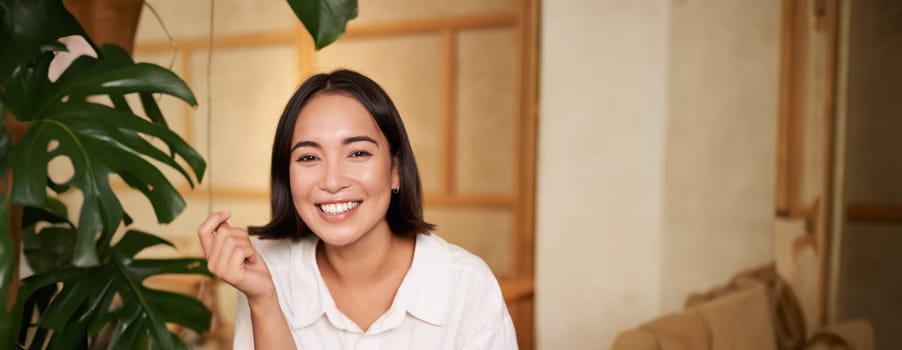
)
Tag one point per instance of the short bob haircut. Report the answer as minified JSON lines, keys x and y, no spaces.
{"x":405,"y":211}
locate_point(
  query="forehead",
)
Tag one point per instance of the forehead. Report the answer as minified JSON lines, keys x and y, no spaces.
{"x":335,"y":116}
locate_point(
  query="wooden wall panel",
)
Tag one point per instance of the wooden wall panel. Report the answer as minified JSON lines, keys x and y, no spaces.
{"x":486,"y":111}
{"x":485,"y":232}
{"x":248,"y":108}
{"x":382,"y":11}
{"x":190,"y":19}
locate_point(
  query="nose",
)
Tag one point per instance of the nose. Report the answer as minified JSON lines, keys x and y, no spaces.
{"x":334,"y":177}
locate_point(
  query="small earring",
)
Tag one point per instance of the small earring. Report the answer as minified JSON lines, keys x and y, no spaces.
{"x":395,"y":190}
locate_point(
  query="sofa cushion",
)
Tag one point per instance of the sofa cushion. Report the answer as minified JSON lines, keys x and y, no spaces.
{"x":740,"y":319}
{"x":680,"y":331}
{"x":846,"y":335}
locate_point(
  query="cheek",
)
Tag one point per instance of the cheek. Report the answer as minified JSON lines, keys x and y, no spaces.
{"x":300,"y":182}
{"x":375,"y":177}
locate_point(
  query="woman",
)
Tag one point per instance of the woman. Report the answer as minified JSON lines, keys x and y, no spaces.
{"x":347,"y":260}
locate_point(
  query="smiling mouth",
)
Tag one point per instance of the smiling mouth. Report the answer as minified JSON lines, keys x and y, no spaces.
{"x":338,"y":208}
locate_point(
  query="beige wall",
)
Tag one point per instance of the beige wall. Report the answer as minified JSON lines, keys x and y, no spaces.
{"x":656,"y":158}
{"x":720,"y":151}
{"x":601,"y":164}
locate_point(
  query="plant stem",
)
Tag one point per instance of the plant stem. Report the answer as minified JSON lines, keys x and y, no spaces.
{"x":9,"y":282}
{"x":10,"y":241}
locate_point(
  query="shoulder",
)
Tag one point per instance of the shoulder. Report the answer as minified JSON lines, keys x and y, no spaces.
{"x":284,"y":256}
{"x":475,"y":305}
{"x":468,"y":265}
{"x":292,"y":266}
{"x":274,"y":251}
{"x":273,"y":247}
{"x":467,"y":273}
{"x":282,"y":248}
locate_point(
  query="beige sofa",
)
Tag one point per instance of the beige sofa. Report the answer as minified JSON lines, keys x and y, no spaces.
{"x":756,"y":310}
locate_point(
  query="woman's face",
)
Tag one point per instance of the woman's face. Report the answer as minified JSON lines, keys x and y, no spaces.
{"x":341,"y":170}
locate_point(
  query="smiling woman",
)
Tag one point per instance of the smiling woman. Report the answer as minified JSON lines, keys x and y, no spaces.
{"x":347,"y":258}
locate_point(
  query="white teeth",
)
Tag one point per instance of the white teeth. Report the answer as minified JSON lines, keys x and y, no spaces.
{"x":337,"y":208}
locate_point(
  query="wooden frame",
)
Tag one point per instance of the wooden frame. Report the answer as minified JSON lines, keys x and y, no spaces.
{"x":448,"y":27}
{"x":449,"y":110}
{"x":865,"y":212}
{"x":788,"y":145}
{"x":791,"y":124}
{"x":828,"y":21}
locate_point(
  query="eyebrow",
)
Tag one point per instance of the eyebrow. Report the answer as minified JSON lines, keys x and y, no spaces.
{"x":347,"y":141}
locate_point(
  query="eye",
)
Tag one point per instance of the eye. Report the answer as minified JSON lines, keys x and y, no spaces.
{"x":305,"y":158}
{"x":360,"y":154}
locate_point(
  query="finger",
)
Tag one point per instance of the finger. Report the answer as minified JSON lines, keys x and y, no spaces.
{"x":205,"y":230}
{"x":237,"y":261}
{"x":222,"y":237}
{"x":250,"y":254}
{"x":237,"y":233}
{"x":225,"y":225}
{"x":216,"y":253}
{"x":223,"y":261}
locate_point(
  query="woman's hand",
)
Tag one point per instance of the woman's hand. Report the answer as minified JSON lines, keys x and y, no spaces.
{"x":231,"y":257}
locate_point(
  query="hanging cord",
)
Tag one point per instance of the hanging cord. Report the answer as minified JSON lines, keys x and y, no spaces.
{"x":209,"y":132}
{"x":175,"y":51}
{"x":175,"y":47}
{"x":210,"y":114}
{"x":209,"y":146}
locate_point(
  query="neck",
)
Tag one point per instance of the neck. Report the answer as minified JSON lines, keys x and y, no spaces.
{"x":368,"y":260}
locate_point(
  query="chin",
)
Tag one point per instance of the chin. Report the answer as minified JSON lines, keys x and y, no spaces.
{"x":338,"y":239}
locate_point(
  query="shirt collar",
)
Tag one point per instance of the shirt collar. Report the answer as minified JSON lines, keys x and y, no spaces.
{"x":423,"y":293}
{"x":309,"y":295}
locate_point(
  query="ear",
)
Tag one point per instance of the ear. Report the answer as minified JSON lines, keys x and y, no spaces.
{"x":395,"y":177}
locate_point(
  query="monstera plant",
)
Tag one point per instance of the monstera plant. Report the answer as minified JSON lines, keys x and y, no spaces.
{"x":86,"y":276}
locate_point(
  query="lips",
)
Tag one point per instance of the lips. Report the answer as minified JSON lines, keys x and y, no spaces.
{"x":338,"y":208}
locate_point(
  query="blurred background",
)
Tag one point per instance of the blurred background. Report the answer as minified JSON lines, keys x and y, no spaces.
{"x":606,"y":158}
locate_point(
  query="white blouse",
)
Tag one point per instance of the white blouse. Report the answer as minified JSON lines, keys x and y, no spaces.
{"x":449,"y":299}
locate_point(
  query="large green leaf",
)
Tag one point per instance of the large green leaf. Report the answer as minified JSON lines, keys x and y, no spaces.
{"x":24,"y":91}
{"x":99,"y":141}
{"x":88,"y":293}
{"x":324,"y":19}
{"x":29,"y":92}
{"x":28,"y":27}
{"x":48,"y":249}
{"x":36,"y":302}
{"x":54,"y":213}
{"x":50,"y":246}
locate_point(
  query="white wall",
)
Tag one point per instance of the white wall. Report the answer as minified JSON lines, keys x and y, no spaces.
{"x":656,"y":158}
{"x":720,"y":152}
{"x":601,"y":157}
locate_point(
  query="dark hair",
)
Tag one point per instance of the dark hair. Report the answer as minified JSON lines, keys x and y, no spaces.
{"x":405,"y":212}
